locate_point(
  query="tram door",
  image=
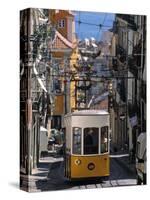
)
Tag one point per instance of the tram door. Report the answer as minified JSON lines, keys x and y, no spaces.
{"x":91,"y":140}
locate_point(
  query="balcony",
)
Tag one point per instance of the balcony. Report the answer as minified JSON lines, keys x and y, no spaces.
{"x":114,"y":64}
{"x":132,"y":66}
{"x":137,"y":53}
{"x":134,"y":61}
{"x":121,"y":53}
{"x":132,"y":109}
{"x":122,"y":90}
{"x":130,"y":19}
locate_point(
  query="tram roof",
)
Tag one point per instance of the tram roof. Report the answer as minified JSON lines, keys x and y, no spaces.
{"x":89,"y":112}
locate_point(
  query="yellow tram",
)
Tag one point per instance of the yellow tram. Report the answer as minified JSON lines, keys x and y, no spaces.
{"x":87,"y":144}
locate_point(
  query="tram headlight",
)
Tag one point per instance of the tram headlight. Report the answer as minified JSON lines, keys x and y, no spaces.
{"x":77,"y":161}
{"x":91,"y":166}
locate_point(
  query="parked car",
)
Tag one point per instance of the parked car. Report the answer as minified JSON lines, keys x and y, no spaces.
{"x":56,"y":142}
{"x":51,"y":143}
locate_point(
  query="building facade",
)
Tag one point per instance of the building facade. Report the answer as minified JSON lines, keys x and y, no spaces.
{"x":128,"y":48}
{"x":63,"y":51}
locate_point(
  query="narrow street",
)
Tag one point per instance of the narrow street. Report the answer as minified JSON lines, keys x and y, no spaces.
{"x":86,"y":99}
{"x":122,"y":173}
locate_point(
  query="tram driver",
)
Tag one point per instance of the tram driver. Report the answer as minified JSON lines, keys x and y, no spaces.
{"x":90,"y":141}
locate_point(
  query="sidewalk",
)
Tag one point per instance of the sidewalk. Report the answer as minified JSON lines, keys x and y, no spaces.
{"x":124,"y":159}
{"x":39,"y":174}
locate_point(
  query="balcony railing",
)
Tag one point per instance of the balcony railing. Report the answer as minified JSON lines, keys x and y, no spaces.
{"x":115,"y":64}
{"x":129,"y":19}
{"x":132,"y":66}
{"x":122,"y":90}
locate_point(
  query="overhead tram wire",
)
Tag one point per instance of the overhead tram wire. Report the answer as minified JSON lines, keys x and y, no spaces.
{"x":98,"y":25}
{"x":91,"y":24}
{"x":96,"y":78}
{"x":101,"y":25}
{"x":79,"y":24}
{"x":105,"y":16}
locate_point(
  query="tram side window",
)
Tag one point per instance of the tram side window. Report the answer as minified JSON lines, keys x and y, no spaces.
{"x":77,"y":140}
{"x":91,"y":138}
{"x":104,"y":139}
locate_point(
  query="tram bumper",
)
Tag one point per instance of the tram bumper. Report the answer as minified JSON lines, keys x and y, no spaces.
{"x":89,"y":166}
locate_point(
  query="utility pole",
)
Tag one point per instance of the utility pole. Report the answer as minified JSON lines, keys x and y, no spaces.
{"x":65,"y":87}
{"x":111,"y":105}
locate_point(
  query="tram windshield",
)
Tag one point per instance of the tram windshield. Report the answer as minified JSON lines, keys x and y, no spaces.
{"x":91,"y":138}
{"x":104,"y":139}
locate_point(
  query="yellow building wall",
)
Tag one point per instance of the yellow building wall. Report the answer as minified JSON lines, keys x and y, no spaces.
{"x":73,"y":60}
{"x":59,"y":105}
{"x":59,"y":102}
{"x":61,"y":15}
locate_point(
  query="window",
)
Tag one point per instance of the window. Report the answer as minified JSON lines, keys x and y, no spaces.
{"x":77,"y":140}
{"x":61,"y":23}
{"x":57,"y":86}
{"x":91,"y":138}
{"x":56,"y":122}
{"x":104,"y":139}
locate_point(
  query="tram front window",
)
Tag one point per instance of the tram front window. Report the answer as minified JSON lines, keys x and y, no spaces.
{"x":77,"y":140}
{"x":104,"y":139}
{"x":91,"y":140}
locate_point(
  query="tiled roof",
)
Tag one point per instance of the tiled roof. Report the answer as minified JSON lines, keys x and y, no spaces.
{"x":60,"y":42}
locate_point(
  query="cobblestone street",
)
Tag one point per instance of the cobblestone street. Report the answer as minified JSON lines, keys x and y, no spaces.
{"x":50,"y":176}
